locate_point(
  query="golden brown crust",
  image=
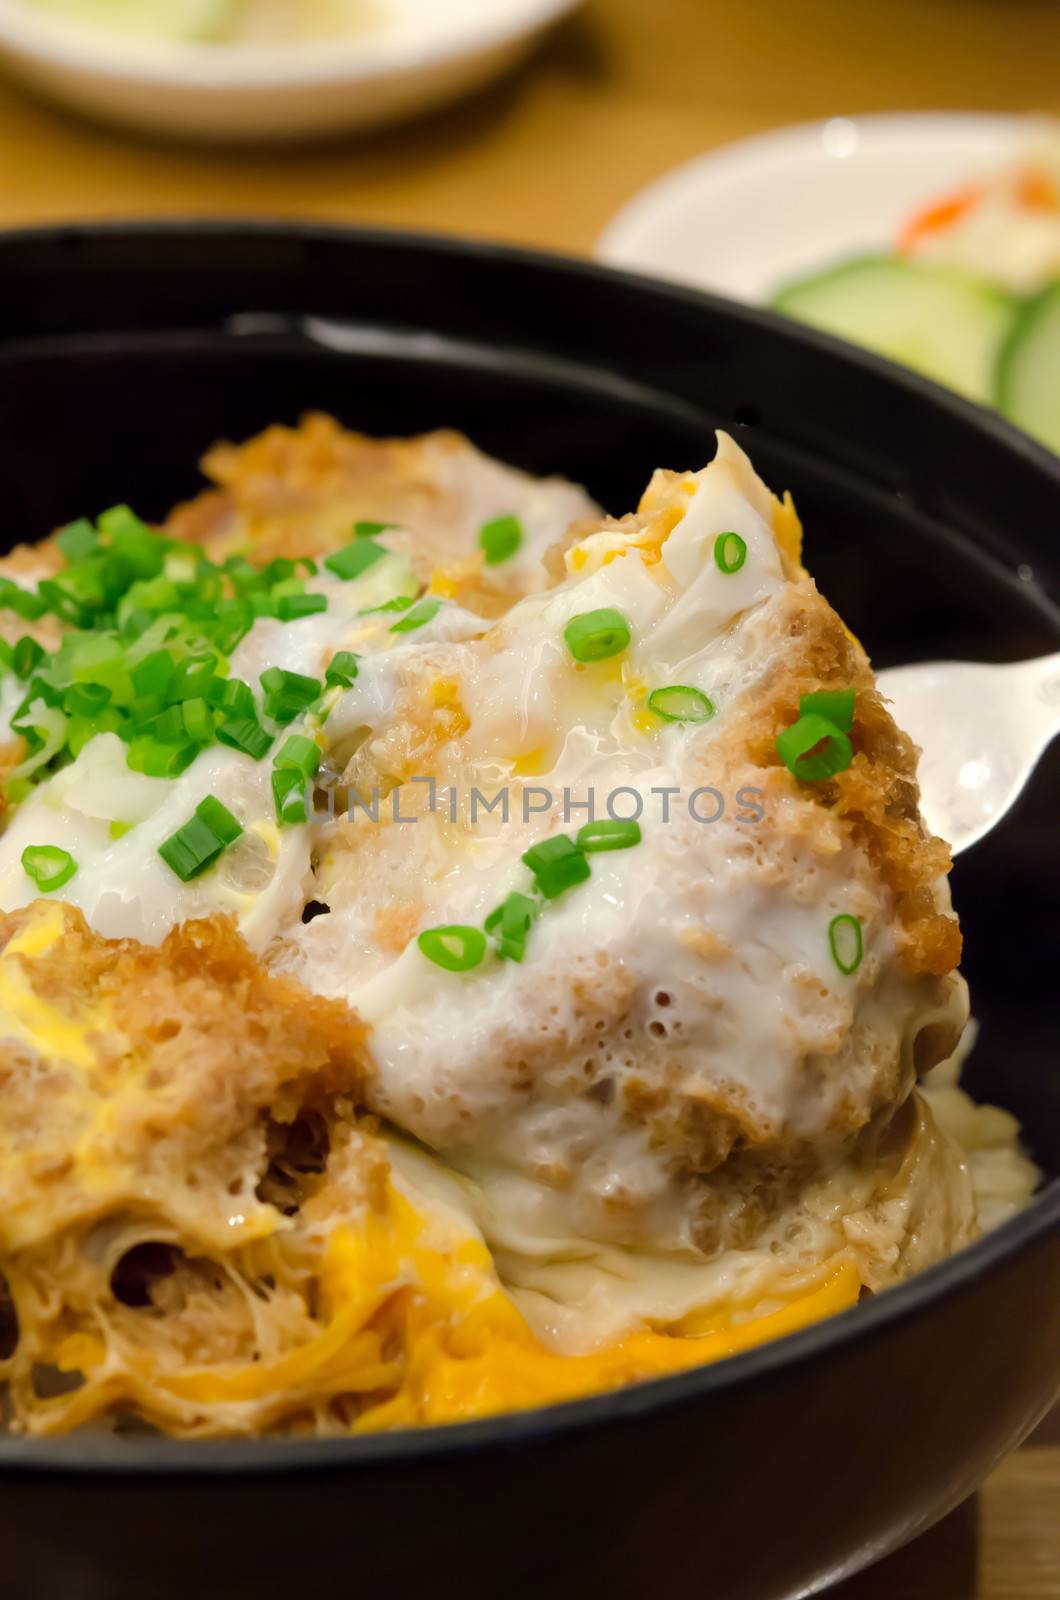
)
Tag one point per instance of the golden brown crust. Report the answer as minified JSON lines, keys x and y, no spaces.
{"x":877,"y":797}
{"x":187,"y":1046}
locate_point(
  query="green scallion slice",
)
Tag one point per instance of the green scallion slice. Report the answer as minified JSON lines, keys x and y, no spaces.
{"x":154,"y":674}
{"x":27,"y":605}
{"x":420,"y":614}
{"x":193,"y":679}
{"x":48,"y":866}
{"x":557,"y":865}
{"x":679,"y":702}
{"x":368,"y":530}
{"x":620,"y":834}
{"x":299,"y":754}
{"x":500,"y":539}
{"x":835,"y":705}
{"x":354,"y":559}
{"x":730,"y":552}
{"x":198,"y":720}
{"x":78,"y":540}
{"x":846,"y":943}
{"x":797,"y":748}
{"x":158,"y":759}
{"x":168,"y":724}
{"x":132,"y":541}
{"x":287,"y":694}
{"x":289,"y":796}
{"x":342,"y":671}
{"x":243,"y":733}
{"x":26,"y":655}
{"x":85,"y":699}
{"x":291,"y":607}
{"x":234,"y":696}
{"x":510,"y":924}
{"x":201,"y":840}
{"x":596,"y":635}
{"x":454,"y":947}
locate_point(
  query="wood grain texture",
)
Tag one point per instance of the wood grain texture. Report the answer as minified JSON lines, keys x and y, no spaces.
{"x":620,"y":93}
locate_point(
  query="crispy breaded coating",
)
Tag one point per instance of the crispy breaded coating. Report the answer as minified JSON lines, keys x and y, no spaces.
{"x":131,"y":1072}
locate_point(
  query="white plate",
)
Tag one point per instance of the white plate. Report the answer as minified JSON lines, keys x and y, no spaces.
{"x":430,"y":51}
{"x":743,"y":220}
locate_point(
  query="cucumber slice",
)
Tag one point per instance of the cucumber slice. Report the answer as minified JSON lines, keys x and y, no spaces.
{"x":182,"y":21}
{"x":946,"y":323}
{"x":1028,"y":368}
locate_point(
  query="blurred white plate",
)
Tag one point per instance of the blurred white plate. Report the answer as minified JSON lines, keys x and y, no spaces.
{"x":744,"y":219}
{"x":432,"y":51}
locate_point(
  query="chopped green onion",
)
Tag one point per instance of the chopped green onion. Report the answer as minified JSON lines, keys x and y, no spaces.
{"x":81,"y":729}
{"x":500,"y":539}
{"x":118,"y":830}
{"x":230,"y":621}
{"x":25,"y":656}
{"x":368,"y":530}
{"x":400,"y":602}
{"x":159,"y":594}
{"x":244,"y":578}
{"x":168,"y":725}
{"x":188,"y":566}
{"x":679,"y":702}
{"x":596,"y":635}
{"x":6,"y":656}
{"x":145,"y":711}
{"x":78,"y":541}
{"x":557,"y":865}
{"x":201,"y":840}
{"x":193,"y":678}
{"x":510,"y":924}
{"x":85,"y":699}
{"x":198,"y":720}
{"x":835,"y":705}
{"x":288,"y":793}
{"x":76,"y":594}
{"x":48,"y":866}
{"x":796,"y":744}
{"x":846,"y":943}
{"x":290,"y":607}
{"x":608,"y":835}
{"x":243,"y":733}
{"x":287,"y":694}
{"x":423,"y":613}
{"x":299,"y":754}
{"x":454,"y":947}
{"x":234,"y":696}
{"x":23,"y":601}
{"x":158,"y":759}
{"x":730,"y":552}
{"x":354,"y":559}
{"x":219,"y":819}
{"x":154,"y":674}
{"x":133,"y":541}
{"x":342,"y":671}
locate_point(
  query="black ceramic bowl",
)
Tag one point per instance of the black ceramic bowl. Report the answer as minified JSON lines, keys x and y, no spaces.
{"x":124,"y":352}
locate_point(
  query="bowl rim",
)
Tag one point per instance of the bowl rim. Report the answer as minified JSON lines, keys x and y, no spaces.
{"x":106,"y":1457}
{"x":79,"y":51}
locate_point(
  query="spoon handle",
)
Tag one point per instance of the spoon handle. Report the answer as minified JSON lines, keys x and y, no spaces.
{"x":1043,"y":685}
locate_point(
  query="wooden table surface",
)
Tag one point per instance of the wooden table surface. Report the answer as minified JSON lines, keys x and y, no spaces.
{"x":618,"y":94}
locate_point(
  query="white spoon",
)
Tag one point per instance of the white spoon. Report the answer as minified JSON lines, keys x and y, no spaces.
{"x":982,"y":730}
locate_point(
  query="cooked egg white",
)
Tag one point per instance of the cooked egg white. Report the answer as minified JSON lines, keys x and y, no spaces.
{"x":706,"y":944}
